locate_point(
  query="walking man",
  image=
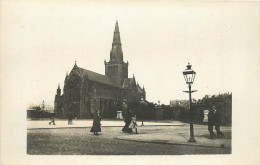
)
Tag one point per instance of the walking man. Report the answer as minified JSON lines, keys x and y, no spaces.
{"x":52,"y":120}
{"x":217,"y":121}
{"x":211,"y":123}
{"x":70,"y":117}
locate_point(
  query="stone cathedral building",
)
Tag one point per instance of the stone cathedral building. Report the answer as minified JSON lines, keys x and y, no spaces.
{"x":85,"y":91}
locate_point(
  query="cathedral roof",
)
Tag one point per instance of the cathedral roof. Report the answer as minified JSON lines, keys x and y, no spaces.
{"x":139,"y":89}
{"x":98,"y":77}
{"x":128,"y":82}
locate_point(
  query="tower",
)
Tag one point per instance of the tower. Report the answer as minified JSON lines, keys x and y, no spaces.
{"x":116,"y":68}
{"x":58,"y":90}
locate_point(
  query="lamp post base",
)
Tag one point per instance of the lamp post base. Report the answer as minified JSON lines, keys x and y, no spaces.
{"x":192,"y":139}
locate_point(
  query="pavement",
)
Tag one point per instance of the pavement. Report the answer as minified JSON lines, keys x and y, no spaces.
{"x":44,"y":124}
{"x":178,"y":135}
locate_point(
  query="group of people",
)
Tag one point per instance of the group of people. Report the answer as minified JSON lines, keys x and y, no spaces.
{"x":70,"y":117}
{"x":214,"y":118}
{"x":130,"y":122}
{"x":96,"y":122}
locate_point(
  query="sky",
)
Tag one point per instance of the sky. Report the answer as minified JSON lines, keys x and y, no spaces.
{"x":43,"y":39}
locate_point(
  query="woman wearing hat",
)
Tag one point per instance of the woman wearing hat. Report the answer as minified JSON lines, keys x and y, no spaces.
{"x":96,"y":124}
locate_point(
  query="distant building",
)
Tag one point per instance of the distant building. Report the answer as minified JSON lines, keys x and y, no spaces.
{"x":86,"y":92}
{"x":31,"y":113}
{"x":179,"y":103}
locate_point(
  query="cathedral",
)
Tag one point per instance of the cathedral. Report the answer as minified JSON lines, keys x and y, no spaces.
{"x":86,"y":92}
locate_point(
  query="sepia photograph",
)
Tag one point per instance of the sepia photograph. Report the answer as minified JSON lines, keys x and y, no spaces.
{"x":84,"y":80}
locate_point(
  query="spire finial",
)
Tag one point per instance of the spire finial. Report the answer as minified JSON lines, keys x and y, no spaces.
{"x":116,"y":28}
{"x":75,"y":64}
{"x":59,"y":86}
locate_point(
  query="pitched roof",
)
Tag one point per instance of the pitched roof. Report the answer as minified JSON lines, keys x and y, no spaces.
{"x":139,"y":89}
{"x":128,"y":82}
{"x":97,"y":77}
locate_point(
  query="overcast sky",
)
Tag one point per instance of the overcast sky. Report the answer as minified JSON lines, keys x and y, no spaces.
{"x":44,"y":38}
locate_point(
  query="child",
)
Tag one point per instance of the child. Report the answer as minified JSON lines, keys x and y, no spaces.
{"x":133,"y":124}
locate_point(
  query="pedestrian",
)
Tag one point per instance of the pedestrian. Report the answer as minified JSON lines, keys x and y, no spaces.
{"x":133,"y":124}
{"x":70,"y":117}
{"x":52,"y":120}
{"x":218,"y":122}
{"x":96,"y":124}
{"x":211,"y":123}
{"x":128,"y":118}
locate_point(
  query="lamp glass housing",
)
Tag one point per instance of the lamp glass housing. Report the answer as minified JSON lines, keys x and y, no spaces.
{"x":189,"y":74}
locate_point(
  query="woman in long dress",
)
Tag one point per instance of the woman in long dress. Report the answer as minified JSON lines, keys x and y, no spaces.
{"x":96,"y":124}
{"x":128,"y":118}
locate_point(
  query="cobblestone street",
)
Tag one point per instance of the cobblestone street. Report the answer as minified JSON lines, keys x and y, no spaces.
{"x":79,"y":141}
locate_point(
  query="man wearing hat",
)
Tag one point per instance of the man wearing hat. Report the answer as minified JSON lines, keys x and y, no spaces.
{"x":217,"y":122}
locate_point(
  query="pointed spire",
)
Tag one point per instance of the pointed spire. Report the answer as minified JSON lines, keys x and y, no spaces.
{"x":58,"y":90}
{"x":143,"y":87}
{"x":116,"y":38}
{"x":116,"y":27}
{"x":75,"y":65}
{"x":116,"y":53}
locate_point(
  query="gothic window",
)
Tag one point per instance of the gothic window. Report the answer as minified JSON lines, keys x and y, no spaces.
{"x":74,"y":81}
{"x":74,"y":88}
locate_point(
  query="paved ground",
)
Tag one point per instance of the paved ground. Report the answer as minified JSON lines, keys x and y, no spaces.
{"x":35,"y":124}
{"x":180,"y":135}
{"x":151,"y":140}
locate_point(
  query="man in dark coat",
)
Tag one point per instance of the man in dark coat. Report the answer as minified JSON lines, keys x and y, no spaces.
{"x":70,"y":117}
{"x":218,"y":122}
{"x":211,"y":123}
{"x":52,"y":119}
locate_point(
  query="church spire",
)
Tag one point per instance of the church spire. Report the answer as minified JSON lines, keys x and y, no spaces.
{"x":116,"y":68}
{"x":116,"y":53}
{"x":116,"y":38}
{"x":58,"y":90}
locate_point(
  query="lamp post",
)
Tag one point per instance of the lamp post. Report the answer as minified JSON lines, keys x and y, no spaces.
{"x":189,"y":76}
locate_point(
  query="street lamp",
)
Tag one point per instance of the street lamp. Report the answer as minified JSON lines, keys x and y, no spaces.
{"x":189,"y":76}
